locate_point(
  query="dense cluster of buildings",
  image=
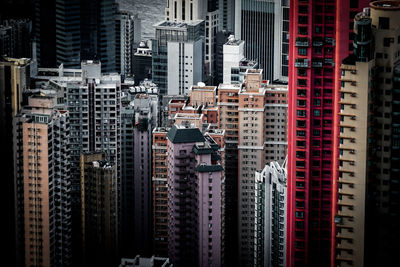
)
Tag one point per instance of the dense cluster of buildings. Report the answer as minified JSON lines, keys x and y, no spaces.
{"x":245,"y":133}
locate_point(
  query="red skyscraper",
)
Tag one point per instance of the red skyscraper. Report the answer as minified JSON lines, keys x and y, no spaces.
{"x":320,"y":37}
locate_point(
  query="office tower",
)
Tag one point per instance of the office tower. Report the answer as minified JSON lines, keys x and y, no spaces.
{"x":226,"y":15}
{"x":160,"y":191}
{"x":99,"y":210}
{"x":142,"y":63}
{"x":183,"y":41}
{"x":234,"y":62}
{"x":82,"y":30}
{"x":58,"y":37}
{"x":67,"y":33}
{"x":319,"y":41}
{"x":198,"y":10}
{"x":194,"y":198}
{"x":263,"y":26}
{"x":43,"y":184}
{"x":44,"y":28}
{"x":14,"y":80}
{"x":127,"y":33}
{"x":220,"y":39}
{"x":270,"y":221}
{"x":15,"y":38}
{"x":98,"y":32}
{"x":184,"y":11}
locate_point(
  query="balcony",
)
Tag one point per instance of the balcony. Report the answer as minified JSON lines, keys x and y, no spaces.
{"x":318,"y":41}
{"x":301,"y":63}
{"x":302,"y":42}
{"x":316,"y":63}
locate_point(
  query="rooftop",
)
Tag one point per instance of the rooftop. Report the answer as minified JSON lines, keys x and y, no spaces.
{"x":184,"y":134}
{"x":385,"y":5}
{"x":176,"y":25}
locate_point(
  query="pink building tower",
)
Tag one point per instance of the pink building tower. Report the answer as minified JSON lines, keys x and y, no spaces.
{"x":194,"y":198}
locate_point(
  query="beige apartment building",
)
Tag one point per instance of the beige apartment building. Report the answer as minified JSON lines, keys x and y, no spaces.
{"x":367,"y":198}
{"x":43,"y":185}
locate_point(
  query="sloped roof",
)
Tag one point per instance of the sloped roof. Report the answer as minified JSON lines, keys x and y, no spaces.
{"x":185,"y":135}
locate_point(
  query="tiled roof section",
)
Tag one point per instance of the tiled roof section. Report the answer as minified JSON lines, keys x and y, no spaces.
{"x":185,"y":135}
{"x":202,"y":150}
{"x":209,"y":168}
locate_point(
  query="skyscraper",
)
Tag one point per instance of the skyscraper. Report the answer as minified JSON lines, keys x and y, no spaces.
{"x":82,"y":30}
{"x":319,"y":41}
{"x":127,"y":32}
{"x":43,"y":184}
{"x":263,"y":25}
{"x":226,"y":15}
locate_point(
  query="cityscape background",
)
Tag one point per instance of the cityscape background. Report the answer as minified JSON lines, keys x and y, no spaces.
{"x":200,"y":132}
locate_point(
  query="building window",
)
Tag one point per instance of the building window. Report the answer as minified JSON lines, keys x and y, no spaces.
{"x":383,"y":23}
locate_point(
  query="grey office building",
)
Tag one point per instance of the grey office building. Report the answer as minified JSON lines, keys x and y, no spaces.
{"x":175,"y":36}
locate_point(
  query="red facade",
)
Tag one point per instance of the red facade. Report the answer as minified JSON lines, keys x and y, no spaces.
{"x":320,"y":38}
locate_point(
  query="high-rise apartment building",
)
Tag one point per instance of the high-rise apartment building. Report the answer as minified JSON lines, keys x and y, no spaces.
{"x":194,"y":198}
{"x":182,"y":41}
{"x":270,"y":219}
{"x":14,"y":80}
{"x":263,"y":25}
{"x":261,"y":108}
{"x":320,"y":37}
{"x":139,"y":115}
{"x":160,"y":191}
{"x":99,"y":210}
{"x":42,"y":182}
{"x":127,"y":33}
{"x":367,"y":186}
{"x":228,"y":114}
{"x":94,"y":103}
{"x":250,"y":158}
{"x":354,"y":151}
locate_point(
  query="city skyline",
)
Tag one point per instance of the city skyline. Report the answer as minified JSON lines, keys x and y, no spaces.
{"x":200,"y":132}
